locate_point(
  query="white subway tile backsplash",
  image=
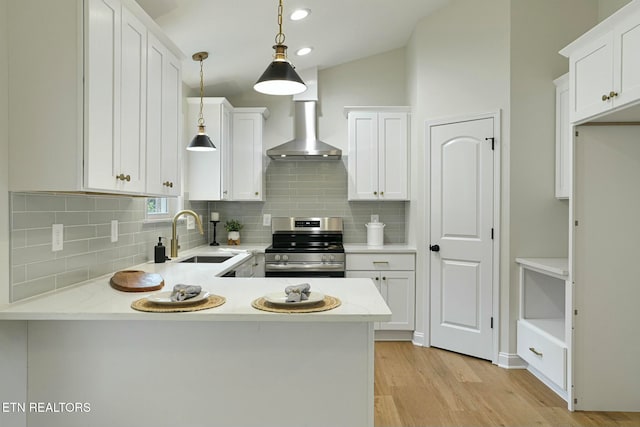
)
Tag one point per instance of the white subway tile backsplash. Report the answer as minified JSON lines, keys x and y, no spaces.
{"x":88,"y":251}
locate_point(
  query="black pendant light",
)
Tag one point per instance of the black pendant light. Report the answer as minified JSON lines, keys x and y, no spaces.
{"x":280,"y":78}
{"x":201,"y":142}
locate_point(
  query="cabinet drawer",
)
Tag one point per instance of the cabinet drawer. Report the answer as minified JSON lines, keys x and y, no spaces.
{"x":542,"y":352}
{"x":380,"y":262}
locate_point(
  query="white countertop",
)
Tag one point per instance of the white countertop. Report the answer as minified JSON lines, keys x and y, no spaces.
{"x":555,"y":266}
{"x":97,"y":300}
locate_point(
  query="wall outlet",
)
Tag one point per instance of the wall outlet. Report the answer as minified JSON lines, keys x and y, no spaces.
{"x":266,"y":220}
{"x":114,"y":231}
{"x":191,"y":223}
{"x":57,"y":237}
{"x":375,"y":218}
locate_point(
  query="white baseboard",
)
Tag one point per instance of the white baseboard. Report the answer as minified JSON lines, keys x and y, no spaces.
{"x":418,"y":339}
{"x":511,"y":361}
{"x":386,"y":335}
{"x":546,"y":381}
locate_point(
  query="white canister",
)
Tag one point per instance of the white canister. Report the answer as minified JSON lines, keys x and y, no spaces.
{"x":374,"y":233}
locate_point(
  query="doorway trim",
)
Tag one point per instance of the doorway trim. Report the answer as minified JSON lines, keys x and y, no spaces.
{"x":426,"y":194}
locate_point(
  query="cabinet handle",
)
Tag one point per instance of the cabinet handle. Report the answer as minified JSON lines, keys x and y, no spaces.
{"x":534,"y":351}
{"x":123,"y":177}
{"x":605,"y":98}
{"x":381,"y":262}
{"x":168,"y":184}
{"x":613,"y":94}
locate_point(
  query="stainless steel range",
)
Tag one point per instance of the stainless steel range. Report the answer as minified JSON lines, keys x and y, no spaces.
{"x":305,"y":247}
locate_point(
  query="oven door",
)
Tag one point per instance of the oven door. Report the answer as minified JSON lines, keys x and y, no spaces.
{"x":304,"y":269}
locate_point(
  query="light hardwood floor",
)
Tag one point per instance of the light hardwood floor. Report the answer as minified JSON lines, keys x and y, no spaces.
{"x":417,"y":386}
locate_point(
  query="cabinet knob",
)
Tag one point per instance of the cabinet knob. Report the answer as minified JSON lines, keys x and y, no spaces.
{"x":613,"y":94}
{"x":375,"y":193}
{"x":123,"y":177}
{"x":257,"y":193}
{"x":382,"y":193}
{"x":605,"y":97}
{"x":384,"y":278}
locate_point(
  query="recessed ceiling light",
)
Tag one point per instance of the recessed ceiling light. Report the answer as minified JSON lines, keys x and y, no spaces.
{"x":299,"y":14}
{"x":304,"y":51}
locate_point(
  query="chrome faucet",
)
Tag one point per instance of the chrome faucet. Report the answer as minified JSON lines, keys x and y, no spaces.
{"x":174,"y":235}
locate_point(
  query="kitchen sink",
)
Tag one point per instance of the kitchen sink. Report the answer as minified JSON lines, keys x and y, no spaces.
{"x":215,"y":259}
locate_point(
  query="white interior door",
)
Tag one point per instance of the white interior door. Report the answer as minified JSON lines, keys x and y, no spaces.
{"x":461,"y":263}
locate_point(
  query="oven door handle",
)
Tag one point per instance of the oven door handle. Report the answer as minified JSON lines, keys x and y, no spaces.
{"x":293,"y":266}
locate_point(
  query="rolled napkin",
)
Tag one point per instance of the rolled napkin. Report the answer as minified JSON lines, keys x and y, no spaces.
{"x":184,"y":292}
{"x":297,"y":293}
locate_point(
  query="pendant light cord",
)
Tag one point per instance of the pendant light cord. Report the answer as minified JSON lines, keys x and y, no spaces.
{"x":201,"y":117}
{"x":280,"y":36}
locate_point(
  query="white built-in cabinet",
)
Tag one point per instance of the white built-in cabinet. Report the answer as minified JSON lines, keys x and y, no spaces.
{"x":378,"y":158}
{"x":394,"y":276}
{"x":235,"y":170}
{"x":86,"y":103}
{"x":564,"y":138}
{"x":544,"y":322}
{"x":604,"y":66}
{"x":164,"y":120}
{"x":248,"y":160}
{"x":209,"y":171}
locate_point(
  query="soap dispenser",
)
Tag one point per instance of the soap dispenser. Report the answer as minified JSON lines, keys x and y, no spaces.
{"x":160,"y":252}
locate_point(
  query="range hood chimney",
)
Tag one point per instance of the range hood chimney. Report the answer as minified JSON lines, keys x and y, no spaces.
{"x":305,"y":145}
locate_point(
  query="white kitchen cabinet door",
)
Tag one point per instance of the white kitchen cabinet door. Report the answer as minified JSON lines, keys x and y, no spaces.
{"x":102,"y":94}
{"x":398,"y":290}
{"x":375,"y":278}
{"x":247,"y":158}
{"x":363,"y":156}
{"x":164,"y":86}
{"x":378,"y":154}
{"x":627,"y":61}
{"x":591,"y":71}
{"x":208,"y":171}
{"x":393,"y":157}
{"x":116,"y":99}
{"x":564,"y":139}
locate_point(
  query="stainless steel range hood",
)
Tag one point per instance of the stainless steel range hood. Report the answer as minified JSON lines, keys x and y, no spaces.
{"x":305,"y":145}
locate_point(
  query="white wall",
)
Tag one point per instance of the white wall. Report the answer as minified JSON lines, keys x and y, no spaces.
{"x":458,"y":63}
{"x":4,"y":156}
{"x":607,"y":7}
{"x":539,"y":223}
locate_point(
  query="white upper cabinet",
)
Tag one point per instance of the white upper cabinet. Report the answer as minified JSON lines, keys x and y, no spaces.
{"x":90,"y":95}
{"x":248,"y":159}
{"x":164,"y":97}
{"x":378,"y":159}
{"x":564,"y":138}
{"x":604,"y":66}
{"x":209,"y":171}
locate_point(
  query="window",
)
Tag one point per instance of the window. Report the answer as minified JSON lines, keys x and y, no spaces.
{"x":162,"y":208}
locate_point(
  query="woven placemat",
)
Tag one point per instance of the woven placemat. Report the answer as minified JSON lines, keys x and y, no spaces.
{"x":328,"y":303}
{"x":144,"y":304}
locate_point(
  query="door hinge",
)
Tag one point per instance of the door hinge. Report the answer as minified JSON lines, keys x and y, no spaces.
{"x":492,"y":323}
{"x":492,"y":234}
{"x":576,"y":223}
{"x":577,"y":133}
{"x":575,"y":401}
{"x":493,"y":142}
{"x":575,"y":312}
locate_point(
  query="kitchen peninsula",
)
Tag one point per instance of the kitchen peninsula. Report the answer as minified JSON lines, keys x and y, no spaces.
{"x":232,"y":365}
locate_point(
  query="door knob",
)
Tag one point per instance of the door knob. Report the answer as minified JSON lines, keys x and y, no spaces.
{"x":434,"y":248}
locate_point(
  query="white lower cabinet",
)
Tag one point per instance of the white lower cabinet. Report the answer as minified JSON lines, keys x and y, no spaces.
{"x":394,"y":276}
{"x":544,"y":321}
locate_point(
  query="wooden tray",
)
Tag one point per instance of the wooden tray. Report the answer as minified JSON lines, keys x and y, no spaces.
{"x":136,"y":281}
